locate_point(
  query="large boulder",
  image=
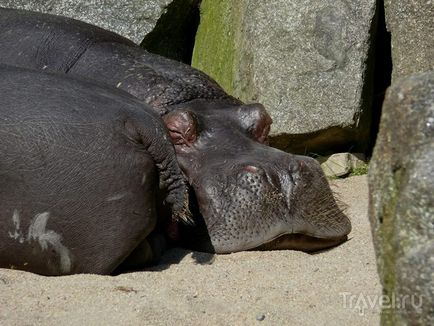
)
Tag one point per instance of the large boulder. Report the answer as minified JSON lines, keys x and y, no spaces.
{"x":132,"y":19}
{"x":401,"y":182}
{"x":172,"y":22}
{"x":411,"y":24}
{"x":306,"y":61}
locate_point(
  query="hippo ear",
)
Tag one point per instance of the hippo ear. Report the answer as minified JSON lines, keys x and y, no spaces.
{"x":182,"y":126}
{"x":255,"y":120}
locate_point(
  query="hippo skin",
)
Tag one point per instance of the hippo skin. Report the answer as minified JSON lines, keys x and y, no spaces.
{"x":81,"y":170}
{"x":55,"y":43}
{"x":244,"y":194}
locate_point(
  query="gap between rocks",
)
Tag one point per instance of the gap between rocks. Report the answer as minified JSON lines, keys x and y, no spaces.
{"x":382,"y":72}
{"x":174,"y":34}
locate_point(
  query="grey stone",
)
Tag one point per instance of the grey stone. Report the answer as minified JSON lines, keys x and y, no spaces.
{"x":336,"y":165}
{"x":132,"y":19}
{"x":342,"y":164}
{"x":306,"y":61}
{"x":401,"y":182}
{"x":411,"y":24}
{"x":358,"y":161}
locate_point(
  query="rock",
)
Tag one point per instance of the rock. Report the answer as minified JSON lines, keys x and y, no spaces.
{"x":411,"y":24}
{"x":336,"y":165}
{"x":306,"y":61}
{"x":173,"y":20}
{"x":132,"y":19}
{"x":342,"y":164}
{"x":401,"y":182}
{"x":358,"y":162}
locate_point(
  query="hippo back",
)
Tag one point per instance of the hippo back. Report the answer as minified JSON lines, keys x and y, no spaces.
{"x":55,"y":43}
{"x":42,"y":41}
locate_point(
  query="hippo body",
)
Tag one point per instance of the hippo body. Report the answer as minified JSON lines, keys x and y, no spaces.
{"x":81,"y":168}
{"x":55,"y":43}
{"x":244,"y":194}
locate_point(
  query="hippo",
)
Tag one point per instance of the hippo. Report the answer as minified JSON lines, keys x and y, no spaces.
{"x":250,"y":195}
{"x":244,"y":195}
{"x":55,"y":43}
{"x":82,"y":168}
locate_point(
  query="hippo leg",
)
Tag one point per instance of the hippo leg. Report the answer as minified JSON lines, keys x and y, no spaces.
{"x":147,"y":253}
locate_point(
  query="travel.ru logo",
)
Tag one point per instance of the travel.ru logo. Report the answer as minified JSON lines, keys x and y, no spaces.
{"x":361,"y":302}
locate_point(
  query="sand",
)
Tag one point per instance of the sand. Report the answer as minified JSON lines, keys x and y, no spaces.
{"x":190,"y":288}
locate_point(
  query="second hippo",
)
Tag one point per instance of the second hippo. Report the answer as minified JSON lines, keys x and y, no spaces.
{"x":84,"y":169}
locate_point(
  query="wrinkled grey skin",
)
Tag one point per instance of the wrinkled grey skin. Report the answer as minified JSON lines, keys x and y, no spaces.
{"x":248,"y":194}
{"x":81,"y":169}
{"x":54,"y":43}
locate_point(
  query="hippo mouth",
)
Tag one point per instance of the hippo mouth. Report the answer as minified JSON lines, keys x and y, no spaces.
{"x":298,"y":241}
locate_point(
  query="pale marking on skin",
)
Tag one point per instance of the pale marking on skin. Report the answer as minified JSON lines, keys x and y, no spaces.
{"x":143,"y":179}
{"x":17,"y":234}
{"x":117,"y":197}
{"x":37,"y":232}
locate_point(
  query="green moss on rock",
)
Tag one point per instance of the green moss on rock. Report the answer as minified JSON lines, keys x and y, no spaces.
{"x":401,"y":182}
{"x":215,"y":50}
{"x":360,"y":170}
{"x":300,"y":61}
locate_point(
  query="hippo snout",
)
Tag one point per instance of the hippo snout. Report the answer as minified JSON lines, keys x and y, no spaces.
{"x":286,"y":204}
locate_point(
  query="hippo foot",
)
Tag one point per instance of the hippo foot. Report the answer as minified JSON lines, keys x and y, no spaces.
{"x":147,"y":253}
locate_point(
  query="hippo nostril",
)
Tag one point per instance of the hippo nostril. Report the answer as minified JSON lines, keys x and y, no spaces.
{"x":251,"y":168}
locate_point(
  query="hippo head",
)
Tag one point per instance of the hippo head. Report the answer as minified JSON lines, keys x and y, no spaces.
{"x":250,"y":195}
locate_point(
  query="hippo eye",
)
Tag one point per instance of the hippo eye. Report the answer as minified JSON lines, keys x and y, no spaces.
{"x":256,"y":121}
{"x":182,"y":127}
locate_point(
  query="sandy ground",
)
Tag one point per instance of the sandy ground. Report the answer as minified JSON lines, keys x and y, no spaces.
{"x":190,"y":288}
